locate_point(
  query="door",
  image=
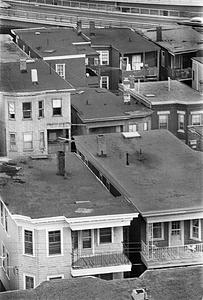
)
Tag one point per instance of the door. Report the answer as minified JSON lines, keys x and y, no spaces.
{"x":176,"y":233}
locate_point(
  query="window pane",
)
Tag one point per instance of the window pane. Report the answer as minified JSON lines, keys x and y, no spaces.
{"x":105,"y":235}
{"x":27,"y":107}
{"x":29,"y":282}
{"x":11,"y":110}
{"x":54,"y":242}
{"x":28,"y":242}
{"x":57,"y":103}
{"x":196,"y":119}
{"x":163,"y":122}
{"x":86,"y":238}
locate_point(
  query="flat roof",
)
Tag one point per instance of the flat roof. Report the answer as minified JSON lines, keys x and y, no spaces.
{"x":158,"y":92}
{"x":10,"y":52}
{"x":99,"y":104}
{"x":125,"y":40}
{"x":55,"y":41}
{"x":42,"y":193}
{"x":177,"y":38}
{"x":163,"y":175}
{"x":13,"y":80}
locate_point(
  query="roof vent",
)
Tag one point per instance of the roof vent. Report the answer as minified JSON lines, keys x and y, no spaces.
{"x":129,"y":135}
{"x":139,"y":294}
{"x":34,"y":76}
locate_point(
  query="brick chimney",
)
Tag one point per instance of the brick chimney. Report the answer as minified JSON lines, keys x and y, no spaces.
{"x":101,"y":145}
{"x":159,"y":34}
{"x":23,"y":66}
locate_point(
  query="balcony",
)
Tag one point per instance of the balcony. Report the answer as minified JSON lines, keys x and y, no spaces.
{"x":98,"y":263}
{"x":148,"y":73}
{"x":181,"y":74}
{"x":156,"y":257}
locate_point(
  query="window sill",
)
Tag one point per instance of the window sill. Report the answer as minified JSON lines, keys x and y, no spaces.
{"x":57,"y":116}
{"x":11,"y":119}
{"x":27,"y":119}
{"x":28,"y":150}
{"x":181,"y":130}
{"x":54,"y":255}
{"x":28,"y":255}
{"x":195,"y":239}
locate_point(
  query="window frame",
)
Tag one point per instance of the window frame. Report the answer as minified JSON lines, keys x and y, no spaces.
{"x":55,"y":277}
{"x":180,"y":129}
{"x":151,"y":236}
{"x":85,"y":239}
{"x":11,"y":118}
{"x":12,"y":147}
{"x":199,"y":230}
{"x":31,"y":142}
{"x":61,"y":70}
{"x":146,"y":126}
{"x":48,"y":243}
{"x":106,"y":84}
{"x":27,"y":110}
{"x":42,"y":141}
{"x":56,"y":114}
{"x":111,"y":235}
{"x":192,"y":121}
{"x":5,"y":260}
{"x":3,"y":216}
{"x":103,"y":57}
{"x":131,"y":126}
{"x":160,"y":116}
{"x":41,"y":109}
{"x":33,"y":243}
{"x":24,"y":280}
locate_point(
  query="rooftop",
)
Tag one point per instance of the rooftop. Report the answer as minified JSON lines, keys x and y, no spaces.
{"x":125,"y":40}
{"x":55,"y":41}
{"x":13,"y":80}
{"x":100,"y":104}
{"x":199,"y":59}
{"x":40,"y":193}
{"x":10,"y":52}
{"x":163,"y":175}
{"x":164,"y":284}
{"x":177,"y":39}
{"x":158,"y":92}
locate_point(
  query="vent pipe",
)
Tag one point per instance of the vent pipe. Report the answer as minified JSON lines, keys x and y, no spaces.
{"x":61,"y":163}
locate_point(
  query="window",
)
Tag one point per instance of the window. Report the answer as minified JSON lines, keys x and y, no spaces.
{"x":5,"y":260}
{"x":105,"y":235}
{"x":27,"y":110}
{"x":163,"y":121}
{"x":104,"y":82}
{"x":132,"y":127}
{"x":12,"y":137}
{"x":54,"y":242}
{"x":57,"y":107}
{"x":86,"y":61}
{"x":75,"y":239}
{"x":86,"y":239}
{"x":11,"y":110}
{"x":195,"y":229}
{"x":156,"y":231}
{"x":55,"y":277}
{"x":104,"y":57}
{"x":4,"y":217}
{"x":41,"y":108}
{"x":29,"y":282}
{"x":145,"y":126}
{"x":27,"y":141}
{"x":2,"y":213}
{"x":28,"y":242}
{"x":137,"y":62}
{"x":181,"y":122}
{"x":196,"y":119}
{"x":162,"y":58}
{"x":60,"y":69}
{"x":41,"y":140}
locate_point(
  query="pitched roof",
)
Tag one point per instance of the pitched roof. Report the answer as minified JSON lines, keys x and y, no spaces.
{"x":163,"y":175}
{"x":125,"y":40}
{"x":45,"y":194}
{"x":13,"y":80}
{"x":55,"y":41}
{"x":100,"y":104}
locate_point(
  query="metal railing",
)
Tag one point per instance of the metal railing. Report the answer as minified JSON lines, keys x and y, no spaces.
{"x":160,"y":254}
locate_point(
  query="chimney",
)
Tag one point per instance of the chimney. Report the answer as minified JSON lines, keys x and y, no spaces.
{"x":139,"y":294}
{"x":79,"y":27}
{"x":34,"y":76}
{"x":23,"y":66}
{"x":92,"y":27}
{"x":158,"y":34}
{"x":101,"y":145}
{"x":61,"y":163}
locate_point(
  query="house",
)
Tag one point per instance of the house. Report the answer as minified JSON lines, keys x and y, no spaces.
{"x":197,"y":74}
{"x":163,"y":284}
{"x":162,"y":178}
{"x":179,"y":44}
{"x":100,"y":111}
{"x":175,"y":105}
{"x":66,"y":50}
{"x":123,"y":53}
{"x":34,"y":109}
{"x":56,"y":226}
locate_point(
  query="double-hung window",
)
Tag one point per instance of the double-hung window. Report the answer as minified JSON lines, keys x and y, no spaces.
{"x":132,"y":127}
{"x":105,"y":235}
{"x":41,"y":140}
{"x":13,"y":146}
{"x":104,"y":82}
{"x":196,"y":119}
{"x":27,"y":141}
{"x":156,"y":231}
{"x":104,"y":57}
{"x":54,"y":242}
{"x":60,"y":69}
{"x":181,"y":121}
{"x":86,"y":239}
{"x":57,"y":107}
{"x":28,"y":242}
{"x":163,"y":121}
{"x":27,"y":110}
{"x":195,"y":229}
{"x":41,"y":109}
{"x":11,"y":110}
{"x":29,"y":282}
{"x":145,"y":126}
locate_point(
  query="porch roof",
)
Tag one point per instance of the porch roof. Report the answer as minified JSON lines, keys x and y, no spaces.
{"x":39,"y":193}
{"x":163,"y":175}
